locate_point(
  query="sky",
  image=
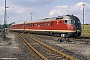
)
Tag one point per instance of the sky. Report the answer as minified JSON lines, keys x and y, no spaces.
{"x":19,"y":10}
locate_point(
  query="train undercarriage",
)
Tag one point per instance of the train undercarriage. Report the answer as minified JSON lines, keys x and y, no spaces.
{"x":67,"y":34}
{"x":64,"y":37}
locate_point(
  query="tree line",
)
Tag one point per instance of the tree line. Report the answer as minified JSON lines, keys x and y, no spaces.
{"x":6,"y":25}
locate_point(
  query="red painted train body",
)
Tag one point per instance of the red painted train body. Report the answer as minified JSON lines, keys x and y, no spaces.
{"x":69,"y":25}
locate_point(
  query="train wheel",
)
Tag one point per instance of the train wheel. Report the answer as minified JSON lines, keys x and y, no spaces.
{"x":78,"y":34}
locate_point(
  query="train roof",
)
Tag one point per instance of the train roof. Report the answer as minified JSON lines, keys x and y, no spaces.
{"x":70,"y":17}
{"x":64,"y":17}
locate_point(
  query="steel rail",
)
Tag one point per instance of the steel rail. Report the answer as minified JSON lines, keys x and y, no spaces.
{"x":57,"y":51}
{"x":81,"y":39}
{"x":39,"y":54}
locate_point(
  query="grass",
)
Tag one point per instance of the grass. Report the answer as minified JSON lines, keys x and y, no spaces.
{"x":86,"y":29}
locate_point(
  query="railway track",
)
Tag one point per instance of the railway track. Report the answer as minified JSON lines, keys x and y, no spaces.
{"x":84,"y":38}
{"x":43,"y":51}
{"x":47,"y":41}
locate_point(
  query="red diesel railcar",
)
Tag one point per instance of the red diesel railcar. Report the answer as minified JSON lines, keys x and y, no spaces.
{"x":69,"y":25}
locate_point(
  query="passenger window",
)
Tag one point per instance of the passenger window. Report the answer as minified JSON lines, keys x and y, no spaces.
{"x":25,"y":25}
{"x":36,"y":24}
{"x":40,"y":24}
{"x":52,"y":23}
{"x":48,"y":24}
{"x":60,"y":22}
{"x":43,"y":24}
{"x":33,"y":24}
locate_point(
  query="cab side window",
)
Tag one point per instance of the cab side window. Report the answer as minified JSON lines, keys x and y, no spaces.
{"x":65,"y":21}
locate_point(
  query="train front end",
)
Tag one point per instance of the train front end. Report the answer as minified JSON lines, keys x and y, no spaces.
{"x":73,"y":24}
{"x":78,"y":28}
